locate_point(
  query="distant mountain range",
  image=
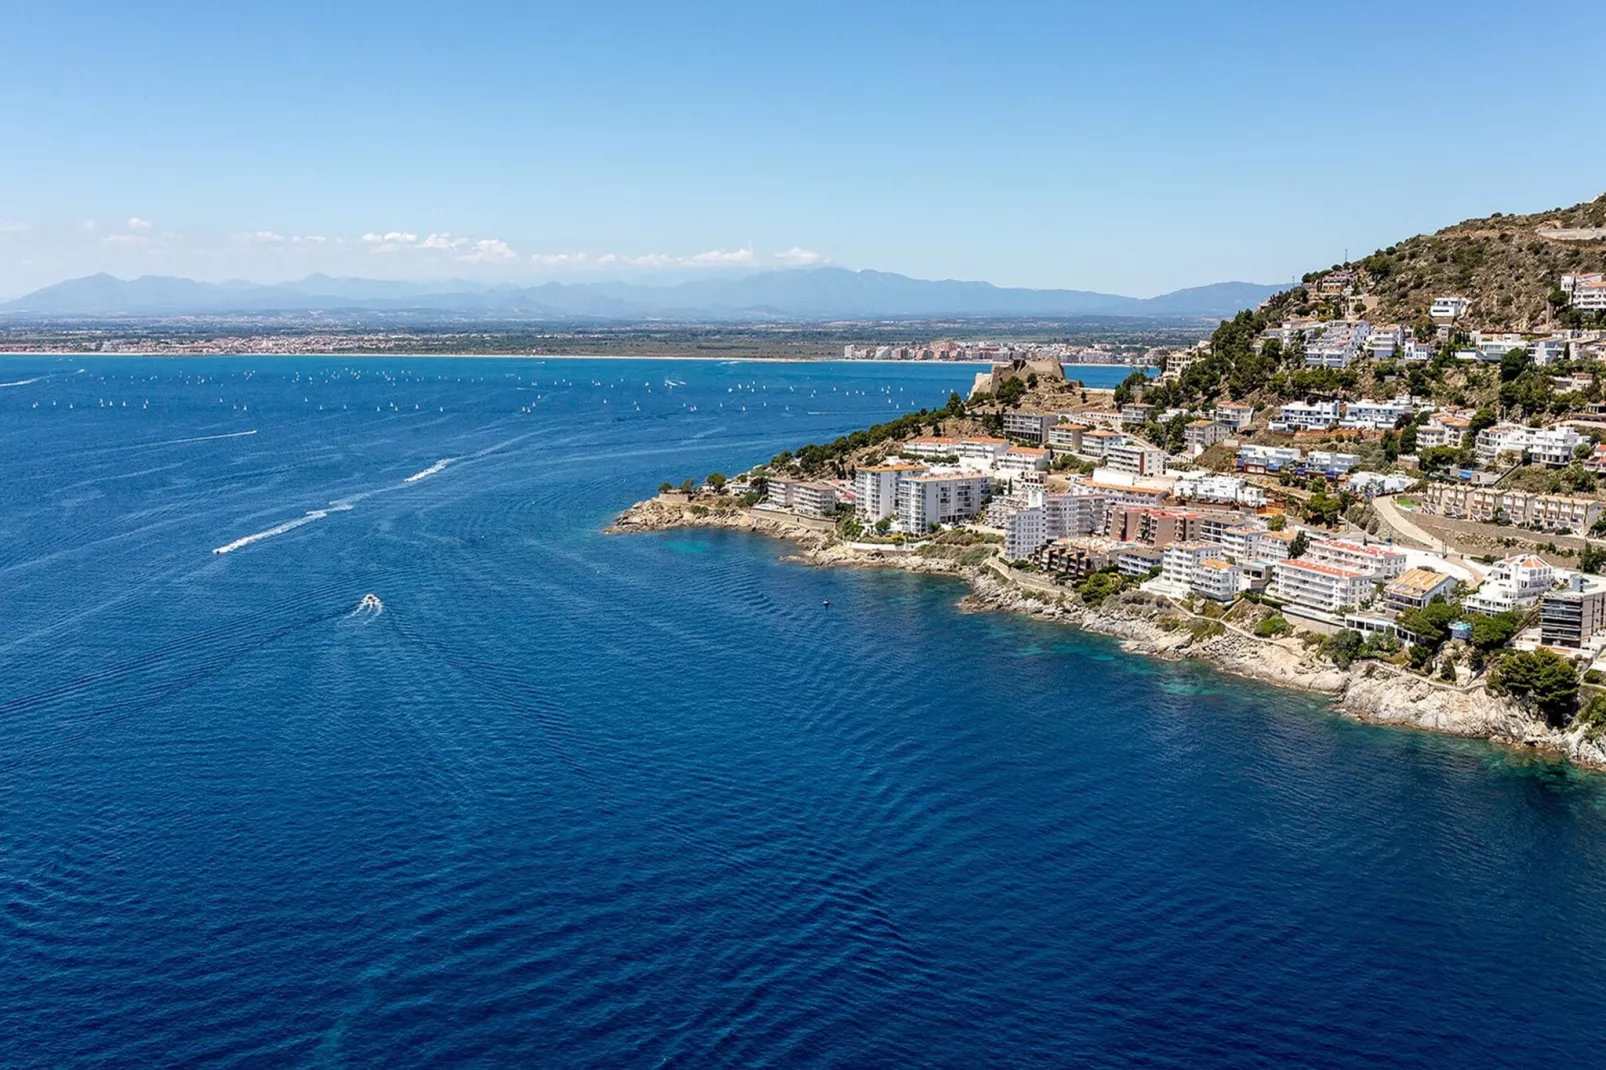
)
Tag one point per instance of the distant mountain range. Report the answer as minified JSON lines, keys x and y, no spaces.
{"x":825,"y":293}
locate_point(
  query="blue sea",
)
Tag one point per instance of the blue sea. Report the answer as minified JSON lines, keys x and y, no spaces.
{"x":571,"y":799}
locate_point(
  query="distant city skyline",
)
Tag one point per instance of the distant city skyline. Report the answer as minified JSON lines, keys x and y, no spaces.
{"x":1135,"y":151}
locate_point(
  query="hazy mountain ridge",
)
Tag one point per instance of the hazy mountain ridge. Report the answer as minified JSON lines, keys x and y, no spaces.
{"x":812,"y":294}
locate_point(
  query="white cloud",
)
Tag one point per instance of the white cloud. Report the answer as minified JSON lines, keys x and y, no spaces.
{"x":720,"y":258}
{"x":442,"y":241}
{"x":561,"y":259}
{"x":136,"y":223}
{"x":11,"y":226}
{"x":389,"y":242}
{"x":310,"y":239}
{"x":266,"y":237}
{"x":489,"y":250}
{"x":797,"y":256}
{"x":126,"y":239}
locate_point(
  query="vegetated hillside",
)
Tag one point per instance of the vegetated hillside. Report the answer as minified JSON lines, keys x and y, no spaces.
{"x":1509,"y":266}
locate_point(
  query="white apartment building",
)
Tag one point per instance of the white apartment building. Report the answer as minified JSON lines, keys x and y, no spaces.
{"x":1268,"y":457}
{"x":875,"y":489}
{"x":1071,"y":515}
{"x":1512,"y":582}
{"x":1136,"y":457}
{"x":1323,"y":588}
{"x":1419,"y":352}
{"x":933,"y":498}
{"x":1375,"y":562}
{"x":1207,"y":487}
{"x":1585,"y":292}
{"x":1110,"y":421}
{"x":1236,"y":417}
{"x":1181,"y":558}
{"x":1547,"y":351}
{"x":1026,"y":531}
{"x":1551,"y":446}
{"x":1377,"y":415}
{"x":931,"y":448}
{"x":983,"y":448}
{"x":1338,"y":345}
{"x":1033,"y":426}
{"x":1067,"y":436}
{"x":1384,"y":342}
{"x":1449,"y":308}
{"x":1443,"y":429}
{"x":1309,"y":416}
{"x":1199,"y":435}
{"x":811,"y":498}
{"x":1098,"y":442}
{"x":1216,"y":580}
{"x":1018,"y":460}
{"x":1332,"y":462}
{"x":1239,"y":541}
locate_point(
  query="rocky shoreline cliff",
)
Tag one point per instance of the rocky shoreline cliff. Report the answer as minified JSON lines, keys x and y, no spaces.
{"x":1368,"y":690}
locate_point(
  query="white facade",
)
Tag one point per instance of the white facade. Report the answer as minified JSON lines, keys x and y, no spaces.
{"x":1551,"y":446}
{"x":1585,"y":292}
{"x":1181,"y":558}
{"x":1027,"y":530}
{"x":1315,"y":416}
{"x":1377,"y":415}
{"x":1216,"y":580}
{"x":1513,"y":581}
{"x":933,"y":498}
{"x":1443,"y":430}
{"x":1385,"y":341}
{"x":1376,"y":562}
{"x":1319,"y":587}
{"x":1419,"y":352}
{"x":1205,"y":487}
{"x":875,"y":489}
{"x":1338,"y":345}
{"x":1029,"y":425}
{"x":1236,"y":417}
{"x":1018,"y":460}
{"x":1332,"y":462}
{"x":1449,"y":308}
{"x":1136,"y":457}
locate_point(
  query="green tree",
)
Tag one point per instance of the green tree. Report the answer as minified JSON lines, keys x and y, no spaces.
{"x":1343,"y":647}
{"x":1513,"y":364}
{"x":1276,"y":522}
{"x":1430,"y":625}
{"x":1299,"y":544}
{"x":688,"y":486}
{"x":1541,"y":678}
{"x":716,"y":480}
{"x":1592,"y":558}
{"x":1272,"y":626}
{"x":665,"y":487}
{"x":1493,"y":631}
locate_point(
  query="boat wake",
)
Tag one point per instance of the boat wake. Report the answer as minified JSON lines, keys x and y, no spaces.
{"x":23,"y":382}
{"x":431,"y":470}
{"x":278,"y":529}
{"x":370,"y":606}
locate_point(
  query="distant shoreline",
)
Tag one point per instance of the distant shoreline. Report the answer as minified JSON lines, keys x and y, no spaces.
{"x":532,"y":356}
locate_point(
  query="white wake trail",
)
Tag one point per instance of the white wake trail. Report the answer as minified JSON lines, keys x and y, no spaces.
{"x":431,"y":470}
{"x":288,"y":525}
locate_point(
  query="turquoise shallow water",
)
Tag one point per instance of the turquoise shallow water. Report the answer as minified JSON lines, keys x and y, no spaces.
{"x":573,"y":799}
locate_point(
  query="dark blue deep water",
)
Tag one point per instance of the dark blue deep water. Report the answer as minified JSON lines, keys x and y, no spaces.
{"x":575,"y":799}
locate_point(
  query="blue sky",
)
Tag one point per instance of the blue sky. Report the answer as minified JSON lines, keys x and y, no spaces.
{"x":1126,"y":147}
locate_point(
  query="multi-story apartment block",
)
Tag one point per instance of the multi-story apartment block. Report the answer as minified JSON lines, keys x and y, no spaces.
{"x":1551,"y":512}
{"x":1309,"y":416}
{"x":1199,"y":435}
{"x":933,"y":498}
{"x":1019,"y":460}
{"x":985,"y":449}
{"x":1323,"y":588}
{"x":1151,"y":526}
{"x":1338,"y":345}
{"x":1234,"y":417}
{"x":1418,"y":352}
{"x":875,"y":489}
{"x":1253,"y":458}
{"x":1229,"y":490}
{"x":1377,"y":415}
{"x":1376,"y":562}
{"x":1216,"y":580}
{"x":1066,"y":436}
{"x":1571,"y":616}
{"x":1135,"y":414}
{"x":1099,"y":441}
{"x":1032,"y":426}
{"x":1384,"y":342}
{"x":1552,"y":446}
{"x":931,"y":447}
{"x":1027,"y":530}
{"x":1136,"y":457}
{"x":810,"y":497}
{"x":1515,"y":581}
{"x":1585,"y":292}
{"x":1443,"y":429}
{"x":1105,"y":418}
{"x":1332,"y":462}
{"x":1180,"y":559}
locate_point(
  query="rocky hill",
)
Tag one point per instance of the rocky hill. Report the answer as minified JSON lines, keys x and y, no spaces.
{"x":1508,"y":265}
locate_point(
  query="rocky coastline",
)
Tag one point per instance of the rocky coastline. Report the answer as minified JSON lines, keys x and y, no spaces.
{"x":1369,"y":691}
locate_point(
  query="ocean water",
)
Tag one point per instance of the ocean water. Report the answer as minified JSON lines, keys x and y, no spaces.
{"x":581,"y":800}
